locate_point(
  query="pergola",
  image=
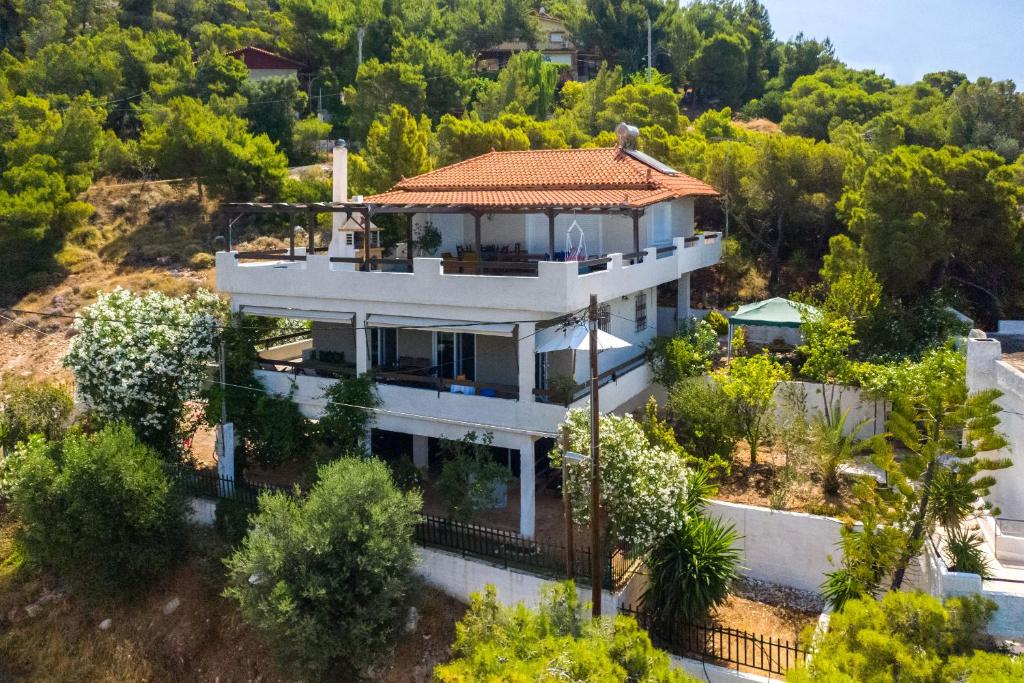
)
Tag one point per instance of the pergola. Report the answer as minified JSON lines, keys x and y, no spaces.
{"x":363,"y":212}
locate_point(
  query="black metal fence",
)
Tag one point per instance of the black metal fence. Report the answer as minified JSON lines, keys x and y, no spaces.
{"x":510,"y":550}
{"x":722,"y":645}
{"x":209,"y":484}
{"x":499,"y":546}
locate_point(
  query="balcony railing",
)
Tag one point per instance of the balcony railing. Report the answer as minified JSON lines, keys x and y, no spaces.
{"x":582,"y":389}
{"x":430,"y":378}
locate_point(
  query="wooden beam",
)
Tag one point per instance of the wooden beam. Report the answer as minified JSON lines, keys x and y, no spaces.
{"x":408,"y":240}
{"x":311,"y":227}
{"x":476,"y":233}
{"x":366,"y":242}
{"x":551,"y":235}
{"x":636,"y":232}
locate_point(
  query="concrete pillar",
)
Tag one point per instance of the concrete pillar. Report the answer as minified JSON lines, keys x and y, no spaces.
{"x":982,"y":354}
{"x":527,"y":489}
{"x":225,"y":447}
{"x":527,"y":360}
{"x":420,"y":451}
{"x":362,"y":348}
{"x":683,"y":298}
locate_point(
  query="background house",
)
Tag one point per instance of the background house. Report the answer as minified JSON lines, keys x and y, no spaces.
{"x":553,"y":42}
{"x":265,"y":64}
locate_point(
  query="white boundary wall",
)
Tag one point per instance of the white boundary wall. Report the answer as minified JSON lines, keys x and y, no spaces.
{"x":849,"y":399}
{"x":460,"y":577}
{"x":937,"y":580}
{"x":785,"y":548}
{"x":713,"y":673}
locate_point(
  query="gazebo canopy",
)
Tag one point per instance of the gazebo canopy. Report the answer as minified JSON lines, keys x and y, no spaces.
{"x":776,"y":312}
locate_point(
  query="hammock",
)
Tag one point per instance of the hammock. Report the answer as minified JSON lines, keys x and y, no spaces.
{"x":577,"y":251}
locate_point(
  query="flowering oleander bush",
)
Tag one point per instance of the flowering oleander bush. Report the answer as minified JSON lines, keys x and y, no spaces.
{"x":644,"y":488}
{"x":139,"y":359}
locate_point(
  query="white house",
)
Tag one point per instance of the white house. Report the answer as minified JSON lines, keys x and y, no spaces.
{"x":451,"y":338}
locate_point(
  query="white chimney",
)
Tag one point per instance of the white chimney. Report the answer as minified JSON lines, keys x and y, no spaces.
{"x":339,"y":175}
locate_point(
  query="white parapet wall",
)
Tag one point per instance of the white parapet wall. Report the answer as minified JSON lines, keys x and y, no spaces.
{"x":460,"y":577}
{"x":793,"y":549}
{"x":715,"y":674}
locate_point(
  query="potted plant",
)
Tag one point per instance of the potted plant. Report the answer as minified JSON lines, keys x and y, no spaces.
{"x":429,"y":239}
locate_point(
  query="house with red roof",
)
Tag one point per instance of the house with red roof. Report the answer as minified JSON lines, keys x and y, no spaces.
{"x":266,"y":64}
{"x":468,"y":323}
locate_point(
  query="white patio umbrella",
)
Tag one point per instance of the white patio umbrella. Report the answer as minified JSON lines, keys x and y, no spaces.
{"x":577,"y":338}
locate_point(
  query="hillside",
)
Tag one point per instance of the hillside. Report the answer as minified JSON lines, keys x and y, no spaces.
{"x":142,"y":236}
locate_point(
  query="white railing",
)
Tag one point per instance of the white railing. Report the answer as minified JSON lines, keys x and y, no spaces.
{"x":559,"y":287}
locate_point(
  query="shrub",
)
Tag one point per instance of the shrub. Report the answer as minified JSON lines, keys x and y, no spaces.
{"x":705,"y":420}
{"x":562,"y":389}
{"x":686,"y":354}
{"x":348,"y":414}
{"x":470,"y":476}
{"x":557,"y":642}
{"x":28,"y":407}
{"x":279,"y":431}
{"x":965,"y":553}
{"x":832,"y":445}
{"x":719,"y":323}
{"x":910,"y":633}
{"x":750,"y":383}
{"x":231,"y":519}
{"x":691,"y":570}
{"x":407,"y":476}
{"x":326,"y":578}
{"x":139,"y":359}
{"x":99,"y":510}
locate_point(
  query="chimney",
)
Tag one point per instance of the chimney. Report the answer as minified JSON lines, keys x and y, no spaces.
{"x":340,"y":173}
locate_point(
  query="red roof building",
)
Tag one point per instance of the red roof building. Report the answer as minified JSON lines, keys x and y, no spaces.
{"x":604,"y":178}
{"x":265,"y":64}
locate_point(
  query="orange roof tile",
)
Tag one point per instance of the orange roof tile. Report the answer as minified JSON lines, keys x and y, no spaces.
{"x":599,"y":178}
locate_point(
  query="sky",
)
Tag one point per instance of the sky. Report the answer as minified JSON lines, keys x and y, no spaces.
{"x":908,"y":38}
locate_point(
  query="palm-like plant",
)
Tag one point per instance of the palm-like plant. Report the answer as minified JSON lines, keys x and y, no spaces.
{"x":834,"y":445}
{"x":964,"y":553}
{"x":691,"y":570}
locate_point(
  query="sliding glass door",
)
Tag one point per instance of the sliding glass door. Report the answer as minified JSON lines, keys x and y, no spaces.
{"x":455,"y":355}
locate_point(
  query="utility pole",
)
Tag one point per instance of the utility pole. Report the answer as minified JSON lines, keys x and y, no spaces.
{"x":360,"y":33}
{"x":650,"y":65}
{"x":570,"y":532}
{"x":595,"y":467}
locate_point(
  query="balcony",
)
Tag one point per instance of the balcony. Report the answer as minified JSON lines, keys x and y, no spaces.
{"x":526,"y":282}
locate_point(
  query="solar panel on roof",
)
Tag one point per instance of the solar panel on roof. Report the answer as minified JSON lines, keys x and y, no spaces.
{"x":651,"y":161}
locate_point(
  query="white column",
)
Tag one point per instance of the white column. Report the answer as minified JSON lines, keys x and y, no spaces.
{"x":527,"y":489}
{"x":362,"y":349}
{"x":420,"y":451}
{"x":683,"y":298}
{"x":982,"y":355}
{"x":527,"y":360}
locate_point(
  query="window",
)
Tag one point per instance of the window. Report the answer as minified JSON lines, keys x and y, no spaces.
{"x":604,"y":317}
{"x":556,"y":37}
{"x":455,"y":355}
{"x":641,"y":311}
{"x":348,"y":238}
{"x":383,"y":347}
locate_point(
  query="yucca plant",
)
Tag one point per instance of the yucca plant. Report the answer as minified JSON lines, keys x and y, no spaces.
{"x":691,"y":570}
{"x":833,"y":445}
{"x":964,"y":553}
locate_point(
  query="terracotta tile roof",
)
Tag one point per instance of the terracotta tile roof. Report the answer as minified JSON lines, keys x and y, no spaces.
{"x":602,"y":178}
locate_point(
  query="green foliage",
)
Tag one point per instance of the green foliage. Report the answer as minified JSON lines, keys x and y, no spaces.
{"x":278,"y":433}
{"x":273,"y":109}
{"x":835,"y":443}
{"x":750,"y":385}
{"x":562,"y":388}
{"x":719,"y":323}
{"x":691,"y":570}
{"x":380,"y":86}
{"x":642,"y":104}
{"x":98,"y":510}
{"x":231,"y":519}
{"x":645,"y":487}
{"x":705,"y":421}
{"x":398,"y":146}
{"x":305,"y":134}
{"x":348,"y":415}
{"x":28,"y":407}
{"x":965,"y":552}
{"x":688,"y":353}
{"x":555,"y":642}
{"x":528,"y":81}
{"x":406,"y":475}
{"x":470,"y":477}
{"x":190,"y":139}
{"x":326,"y":578}
{"x":904,"y":636}
{"x":469,"y":137}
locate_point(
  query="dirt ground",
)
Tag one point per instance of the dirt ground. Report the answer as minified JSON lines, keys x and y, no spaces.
{"x":752,"y":484}
{"x":204,"y":639}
